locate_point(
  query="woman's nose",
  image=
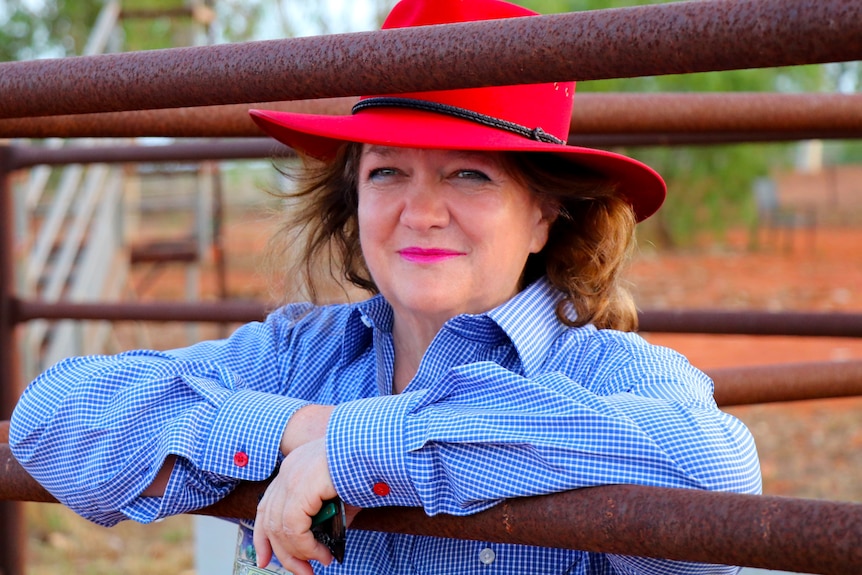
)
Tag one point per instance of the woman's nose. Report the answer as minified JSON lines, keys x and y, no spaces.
{"x":424,"y":207}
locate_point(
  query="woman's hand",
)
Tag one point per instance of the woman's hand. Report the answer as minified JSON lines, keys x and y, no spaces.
{"x":283,"y":522}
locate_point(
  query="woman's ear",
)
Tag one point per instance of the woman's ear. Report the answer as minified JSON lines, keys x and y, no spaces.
{"x":548,"y":213}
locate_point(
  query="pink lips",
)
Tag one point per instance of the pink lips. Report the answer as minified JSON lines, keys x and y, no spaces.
{"x":427,"y":255}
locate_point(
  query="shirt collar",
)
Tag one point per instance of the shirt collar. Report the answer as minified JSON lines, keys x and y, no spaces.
{"x":529,"y":320}
{"x":363,"y":317}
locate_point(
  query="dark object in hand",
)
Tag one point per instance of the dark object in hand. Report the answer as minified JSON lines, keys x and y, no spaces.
{"x":329,"y":526}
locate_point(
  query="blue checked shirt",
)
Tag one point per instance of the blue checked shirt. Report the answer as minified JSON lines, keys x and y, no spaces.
{"x":505,"y":404}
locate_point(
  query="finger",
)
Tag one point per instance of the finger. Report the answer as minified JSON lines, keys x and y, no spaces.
{"x":262,"y":548}
{"x":301,"y":549}
{"x":260,"y":540}
{"x":297,"y":567}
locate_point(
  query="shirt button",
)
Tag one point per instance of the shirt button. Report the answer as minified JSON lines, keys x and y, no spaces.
{"x":240,"y":459}
{"x":487,"y":556}
{"x":380,"y":489}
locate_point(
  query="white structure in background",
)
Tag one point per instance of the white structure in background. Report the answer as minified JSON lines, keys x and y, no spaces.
{"x":809,"y":156}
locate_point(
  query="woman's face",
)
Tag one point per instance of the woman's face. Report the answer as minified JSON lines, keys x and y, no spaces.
{"x":444,"y":232}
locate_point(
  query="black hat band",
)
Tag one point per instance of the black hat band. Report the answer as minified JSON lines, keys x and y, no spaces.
{"x":537,"y":134}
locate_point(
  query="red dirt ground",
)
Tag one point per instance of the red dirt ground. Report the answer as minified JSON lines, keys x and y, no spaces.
{"x":825,"y":277}
{"x":808,"y":449}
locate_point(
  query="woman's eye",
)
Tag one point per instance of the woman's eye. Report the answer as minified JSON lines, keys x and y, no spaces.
{"x":472,"y":175}
{"x":381,"y":173}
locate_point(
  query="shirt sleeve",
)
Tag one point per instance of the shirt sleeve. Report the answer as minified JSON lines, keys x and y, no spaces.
{"x":95,"y":430}
{"x":484,"y":433}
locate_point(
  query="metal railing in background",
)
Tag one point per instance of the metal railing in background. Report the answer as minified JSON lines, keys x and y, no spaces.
{"x":644,"y":41}
{"x":606,"y":119}
{"x":817,"y":536}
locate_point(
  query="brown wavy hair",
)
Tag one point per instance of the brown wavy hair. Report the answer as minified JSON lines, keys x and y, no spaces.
{"x":588,"y":243}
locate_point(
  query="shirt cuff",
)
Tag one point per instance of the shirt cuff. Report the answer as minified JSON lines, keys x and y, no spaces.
{"x":244,"y":442}
{"x":367,"y":454}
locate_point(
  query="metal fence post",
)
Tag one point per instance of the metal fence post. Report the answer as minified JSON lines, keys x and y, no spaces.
{"x":12,"y":539}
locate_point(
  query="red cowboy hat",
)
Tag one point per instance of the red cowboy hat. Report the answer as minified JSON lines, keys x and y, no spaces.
{"x":498,"y":118}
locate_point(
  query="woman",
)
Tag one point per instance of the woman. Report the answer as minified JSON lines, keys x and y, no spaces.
{"x":495,"y":359}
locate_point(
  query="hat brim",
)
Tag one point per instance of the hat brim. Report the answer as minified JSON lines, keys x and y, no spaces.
{"x":320,"y":136}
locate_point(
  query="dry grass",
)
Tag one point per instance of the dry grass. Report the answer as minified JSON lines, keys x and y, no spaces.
{"x":61,"y":542}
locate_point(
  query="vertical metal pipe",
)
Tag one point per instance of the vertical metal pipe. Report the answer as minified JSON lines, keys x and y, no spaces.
{"x":12,"y":538}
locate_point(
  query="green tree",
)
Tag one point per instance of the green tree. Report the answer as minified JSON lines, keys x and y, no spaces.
{"x":53,"y":28}
{"x":61,"y":28}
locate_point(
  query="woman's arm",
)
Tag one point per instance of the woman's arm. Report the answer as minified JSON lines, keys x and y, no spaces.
{"x":306,"y":425}
{"x":187,"y":424}
{"x":492,"y":435}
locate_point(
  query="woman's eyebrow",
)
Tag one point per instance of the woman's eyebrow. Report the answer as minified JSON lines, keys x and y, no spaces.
{"x":378,"y":150}
{"x":482,"y":157}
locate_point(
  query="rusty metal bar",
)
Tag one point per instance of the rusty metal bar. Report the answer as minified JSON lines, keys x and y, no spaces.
{"x":673,"y":38}
{"x":759,"y":531}
{"x":751,"y":322}
{"x":228,"y":121}
{"x":12,"y":539}
{"x":597,"y":119}
{"x":214,"y":312}
{"x":733,"y":386}
{"x":28,"y":156}
{"x":809,"y":324}
{"x":707,"y":138}
{"x":731,"y":112}
{"x":787,"y":382}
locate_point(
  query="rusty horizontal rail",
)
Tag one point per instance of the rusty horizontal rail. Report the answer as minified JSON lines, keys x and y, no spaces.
{"x":225,"y":121}
{"x":707,"y":138}
{"x":733,"y":386}
{"x":597,"y":119}
{"x":752,"y":385}
{"x":752,"y":322}
{"x":758,"y":531}
{"x":673,"y":38}
{"x":21,"y":157}
{"x":747,"y":322}
{"x":211,"y":312}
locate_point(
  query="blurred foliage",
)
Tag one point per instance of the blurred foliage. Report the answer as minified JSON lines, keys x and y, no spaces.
{"x":57,"y":28}
{"x":61,"y":28}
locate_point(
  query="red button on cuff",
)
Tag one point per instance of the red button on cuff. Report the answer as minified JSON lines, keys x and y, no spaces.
{"x":380,"y":489}
{"x":240,"y":459}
